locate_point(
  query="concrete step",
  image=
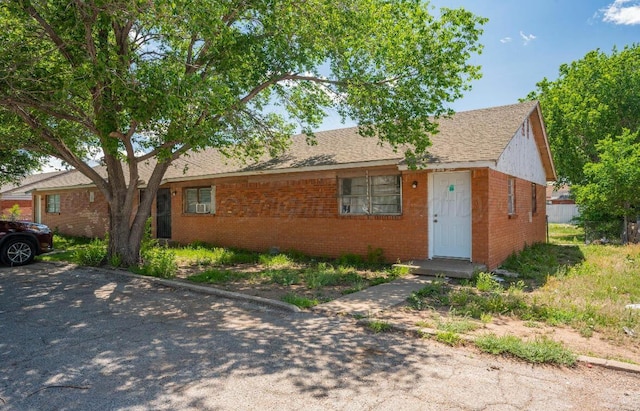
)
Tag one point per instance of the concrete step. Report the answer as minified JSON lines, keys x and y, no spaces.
{"x":447,"y":267}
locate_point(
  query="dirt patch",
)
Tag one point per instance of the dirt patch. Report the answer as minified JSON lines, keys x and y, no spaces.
{"x":595,"y":346}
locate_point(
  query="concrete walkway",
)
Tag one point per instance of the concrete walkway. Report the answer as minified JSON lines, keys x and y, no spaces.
{"x":375,"y":299}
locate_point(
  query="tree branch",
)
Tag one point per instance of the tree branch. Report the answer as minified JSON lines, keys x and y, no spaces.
{"x":59,"y":43}
{"x":63,"y":152}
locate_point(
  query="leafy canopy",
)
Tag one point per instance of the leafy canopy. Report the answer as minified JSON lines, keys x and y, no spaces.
{"x":142,"y":82}
{"x":594,"y":98}
{"x":613,"y":182}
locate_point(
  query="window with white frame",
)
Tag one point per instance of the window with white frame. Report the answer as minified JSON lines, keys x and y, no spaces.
{"x":511,"y":196}
{"x":379,"y":195}
{"x":53,"y":203}
{"x":200,"y":200}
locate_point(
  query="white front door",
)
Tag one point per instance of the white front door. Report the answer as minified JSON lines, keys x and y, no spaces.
{"x":450,"y":214}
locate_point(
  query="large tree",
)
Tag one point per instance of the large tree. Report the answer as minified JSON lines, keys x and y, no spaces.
{"x":149,"y":80}
{"x":594,"y":98}
{"x":612,"y":192}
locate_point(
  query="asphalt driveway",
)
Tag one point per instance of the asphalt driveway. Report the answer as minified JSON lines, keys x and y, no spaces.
{"x":82,"y":339}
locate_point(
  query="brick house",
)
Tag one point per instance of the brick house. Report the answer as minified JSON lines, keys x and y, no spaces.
{"x":479,"y":197}
{"x":19,"y":194}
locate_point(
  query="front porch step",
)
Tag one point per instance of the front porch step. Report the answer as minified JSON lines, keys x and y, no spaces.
{"x":447,"y":267}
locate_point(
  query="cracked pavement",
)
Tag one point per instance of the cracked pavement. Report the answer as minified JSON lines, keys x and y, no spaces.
{"x":76,"y":338}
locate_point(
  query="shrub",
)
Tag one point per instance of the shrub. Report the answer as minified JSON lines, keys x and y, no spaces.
{"x":93,"y":254}
{"x":485,"y":282}
{"x":159,"y":262}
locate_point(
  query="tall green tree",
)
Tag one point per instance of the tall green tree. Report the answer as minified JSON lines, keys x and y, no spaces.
{"x":594,"y":98}
{"x":149,"y":80}
{"x":612,"y":192}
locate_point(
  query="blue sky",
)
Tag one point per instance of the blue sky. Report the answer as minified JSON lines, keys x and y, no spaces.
{"x":525,"y":42}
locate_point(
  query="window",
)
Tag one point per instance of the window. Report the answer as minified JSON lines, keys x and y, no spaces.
{"x":534,"y":198}
{"x":370,"y":195}
{"x":53,"y":203}
{"x":201,"y":200}
{"x":511,"y":196}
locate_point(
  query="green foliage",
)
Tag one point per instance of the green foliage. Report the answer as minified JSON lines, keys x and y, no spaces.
{"x":276,"y":261}
{"x":15,"y":163}
{"x":348,"y":259}
{"x":92,"y":254}
{"x":539,"y":261}
{"x":300,"y":301}
{"x":485,"y":282}
{"x":159,"y":262}
{"x":379,"y":326}
{"x":284,"y":276}
{"x":448,"y":337}
{"x":592,"y":114}
{"x":594,"y":98}
{"x":14,"y":213}
{"x":540,"y":350}
{"x":611,"y":192}
{"x":375,"y":255}
{"x":173,"y":76}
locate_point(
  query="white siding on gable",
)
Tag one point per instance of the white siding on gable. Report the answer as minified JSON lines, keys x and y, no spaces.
{"x":521,"y":157}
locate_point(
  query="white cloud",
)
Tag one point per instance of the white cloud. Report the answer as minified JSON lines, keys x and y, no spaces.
{"x":527,"y":38}
{"x":506,"y":40}
{"x":625,"y":12}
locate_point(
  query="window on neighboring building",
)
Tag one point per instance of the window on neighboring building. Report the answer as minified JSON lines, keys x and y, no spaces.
{"x":511,"y":196}
{"x":534,"y":198}
{"x":200,"y":200}
{"x":371,"y":195}
{"x":53,"y":203}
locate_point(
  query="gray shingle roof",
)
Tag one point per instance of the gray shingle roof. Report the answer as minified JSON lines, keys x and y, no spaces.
{"x":470,"y":136}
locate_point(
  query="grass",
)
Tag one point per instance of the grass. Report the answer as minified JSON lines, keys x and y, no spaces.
{"x":300,"y":301}
{"x":583,"y":286}
{"x":566,"y":234}
{"x":539,"y":350}
{"x":379,"y":326}
{"x":303,"y":280}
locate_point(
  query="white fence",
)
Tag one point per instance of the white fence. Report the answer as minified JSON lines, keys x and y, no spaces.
{"x":562,"y":213}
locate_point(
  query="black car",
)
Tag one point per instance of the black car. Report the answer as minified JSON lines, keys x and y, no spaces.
{"x":21,"y":241}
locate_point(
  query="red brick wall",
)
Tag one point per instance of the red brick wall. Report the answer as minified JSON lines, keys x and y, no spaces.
{"x":300,"y":211}
{"x":25,"y":208}
{"x":479,"y":215}
{"x":78,"y":216}
{"x":507,"y":233}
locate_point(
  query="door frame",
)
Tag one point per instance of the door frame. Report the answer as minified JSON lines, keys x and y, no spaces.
{"x":430,"y":225}
{"x":167,"y":193}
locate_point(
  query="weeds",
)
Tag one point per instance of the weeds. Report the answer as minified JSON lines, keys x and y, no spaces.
{"x":159,"y":262}
{"x":300,"y":301}
{"x":379,"y":326}
{"x":448,"y":337}
{"x":92,"y":254}
{"x":540,"y":350}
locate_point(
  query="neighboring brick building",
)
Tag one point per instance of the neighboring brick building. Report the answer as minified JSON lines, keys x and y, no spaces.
{"x":19,"y":193}
{"x":480,"y":195}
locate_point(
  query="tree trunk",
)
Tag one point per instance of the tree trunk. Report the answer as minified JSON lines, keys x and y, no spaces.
{"x":126,"y":229}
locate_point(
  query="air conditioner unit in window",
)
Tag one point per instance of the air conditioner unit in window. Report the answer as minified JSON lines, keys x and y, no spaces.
{"x":202,"y":208}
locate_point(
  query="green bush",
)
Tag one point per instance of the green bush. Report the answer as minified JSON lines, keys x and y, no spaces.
{"x":159,"y":262}
{"x":92,"y":254}
{"x":485,"y":282}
